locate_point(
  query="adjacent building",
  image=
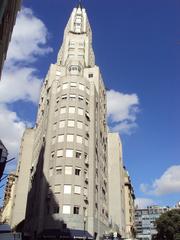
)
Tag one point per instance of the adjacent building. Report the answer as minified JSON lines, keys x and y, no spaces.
{"x":66,"y":163}
{"x":3,"y":158}
{"x":8,"y":199}
{"x":116,"y":185}
{"x":145,"y":221}
{"x":8,"y":12}
{"x":129,"y":205}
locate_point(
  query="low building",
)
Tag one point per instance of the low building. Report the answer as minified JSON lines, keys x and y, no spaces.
{"x":145,"y":221}
{"x":8,"y":12}
{"x":129,"y":205}
{"x":8,"y":199}
{"x":3,"y":158}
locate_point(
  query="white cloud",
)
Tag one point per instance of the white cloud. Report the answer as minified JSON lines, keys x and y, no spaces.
{"x":11,"y":129}
{"x":168,"y":183}
{"x":122,"y":110}
{"x":29,"y":38}
{"x":143,"y":202}
{"x":20,"y":79}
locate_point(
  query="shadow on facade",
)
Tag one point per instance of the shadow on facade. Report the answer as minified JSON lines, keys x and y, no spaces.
{"x":42,"y":220}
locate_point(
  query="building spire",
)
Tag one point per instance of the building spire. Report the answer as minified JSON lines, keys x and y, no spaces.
{"x":80,"y":4}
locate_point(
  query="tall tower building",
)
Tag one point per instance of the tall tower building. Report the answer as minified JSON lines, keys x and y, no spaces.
{"x":67,"y":190}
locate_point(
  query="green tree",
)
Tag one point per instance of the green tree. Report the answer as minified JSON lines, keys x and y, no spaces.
{"x":168,"y":225}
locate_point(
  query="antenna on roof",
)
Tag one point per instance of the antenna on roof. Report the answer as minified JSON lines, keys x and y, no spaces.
{"x":80,"y":4}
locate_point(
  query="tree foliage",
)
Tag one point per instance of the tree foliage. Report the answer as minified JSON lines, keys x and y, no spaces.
{"x":168,"y":225}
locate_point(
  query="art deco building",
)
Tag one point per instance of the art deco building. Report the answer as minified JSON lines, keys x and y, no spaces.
{"x":8,"y":12}
{"x":64,"y":158}
{"x":116,"y":185}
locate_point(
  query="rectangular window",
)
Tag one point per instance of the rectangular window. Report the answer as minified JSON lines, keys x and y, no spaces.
{"x":64,"y":97}
{"x":70,"y":123}
{"x":80,"y":111}
{"x":62,"y":110}
{"x":57,"y":188}
{"x":73,"y":85}
{"x":71,"y":109}
{"x":79,"y":139}
{"x":53,"y":140}
{"x":58,"y":170}
{"x":56,"y":113}
{"x":67,"y":189}
{"x":56,"y":209}
{"x":60,"y":153}
{"x":85,"y":192}
{"x":72,"y":97}
{"x":70,"y":137}
{"x":61,"y":124}
{"x":90,"y":75}
{"x":52,"y":154}
{"x":58,"y":88}
{"x":81,"y":86}
{"x":76,"y":210}
{"x":78,"y":154}
{"x":58,"y":73}
{"x":57,"y":100}
{"x":68,"y":170}
{"x":77,"y":189}
{"x":65,"y":85}
{"x":66,"y":209}
{"x":79,"y":125}
{"x":77,"y":171}
{"x":87,"y":102}
{"x":80,"y":98}
{"x":69,"y":153}
{"x":61,"y":138}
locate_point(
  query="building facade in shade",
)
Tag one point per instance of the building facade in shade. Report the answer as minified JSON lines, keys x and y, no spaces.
{"x":8,"y":12}
{"x":145,"y":221}
{"x":116,"y":185}
{"x":8,"y":199}
{"x":129,"y":205}
{"x":3,"y":158}
{"x":66,"y":164}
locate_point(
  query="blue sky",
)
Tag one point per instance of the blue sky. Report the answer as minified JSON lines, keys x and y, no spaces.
{"x":135,"y":44}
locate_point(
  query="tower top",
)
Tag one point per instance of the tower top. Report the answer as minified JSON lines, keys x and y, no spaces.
{"x":80,"y":4}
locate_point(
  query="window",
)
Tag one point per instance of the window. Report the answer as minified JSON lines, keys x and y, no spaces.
{"x":80,"y":111}
{"x":87,"y":116}
{"x":53,"y":140}
{"x":60,"y":153}
{"x":80,"y":98}
{"x":77,"y":189}
{"x":70,"y":123}
{"x":86,"y":156}
{"x":73,"y":84}
{"x":62,"y":110}
{"x":81,"y":86}
{"x":76,"y":210}
{"x":72,"y":97}
{"x":78,"y":154}
{"x":64,"y":97}
{"x":57,"y":188}
{"x":56,"y":113}
{"x":56,"y":209}
{"x":67,"y":189}
{"x":90,"y":75}
{"x":87,"y":102}
{"x":66,"y":209}
{"x":79,"y":139}
{"x":68,"y":170}
{"x":69,"y":153}
{"x":65,"y":85}
{"x":85,"y":192}
{"x":71,"y":109}
{"x":50,"y":172}
{"x":57,"y":100}
{"x":52,"y":154}
{"x":79,"y":125}
{"x":58,"y":73}
{"x":58,"y":170}
{"x":61,"y":138}
{"x":77,"y":171}
{"x":70,"y":137}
